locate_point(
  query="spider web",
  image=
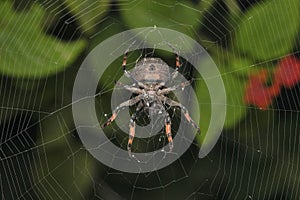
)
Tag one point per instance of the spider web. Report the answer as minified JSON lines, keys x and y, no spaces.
{"x":42,"y":157}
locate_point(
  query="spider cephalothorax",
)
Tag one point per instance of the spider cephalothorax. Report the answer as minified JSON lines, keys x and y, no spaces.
{"x":149,"y":78}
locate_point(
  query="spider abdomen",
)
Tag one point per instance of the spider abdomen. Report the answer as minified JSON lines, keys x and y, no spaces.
{"x":151,"y":71}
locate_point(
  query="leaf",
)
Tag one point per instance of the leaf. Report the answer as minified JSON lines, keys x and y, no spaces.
{"x":108,"y":26}
{"x":235,"y":108}
{"x":269,"y":29}
{"x":204,"y":105}
{"x":25,"y":51}
{"x":241,"y":66}
{"x":167,"y":14}
{"x":88,"y":12}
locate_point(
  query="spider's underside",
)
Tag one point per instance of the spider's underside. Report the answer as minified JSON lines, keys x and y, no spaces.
{"x":149,"y":77}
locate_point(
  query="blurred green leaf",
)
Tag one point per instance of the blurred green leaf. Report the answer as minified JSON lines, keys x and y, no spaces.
{"x":88,"y":12}
{"x":269,"y":30}
{"x":180,"y":16}
{"x":26,"y":51}
{"x":233,"y":62}
{"x":241,"y":66}
{"x":235,"y":108}
{"x":233,"y":7}
{"x":204,"y":105}
{"x":109,"y":27}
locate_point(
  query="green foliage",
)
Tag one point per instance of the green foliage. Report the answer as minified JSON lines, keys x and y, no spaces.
{"x":168,"y":14}
{"x":88,"y":12}
{"x":235,"y":108}
{"x":205,"y":108}
{"x":241,"y":66}
{"x":268,"y":30}
{"x":108,"y":27}
{"x":26,"y":51}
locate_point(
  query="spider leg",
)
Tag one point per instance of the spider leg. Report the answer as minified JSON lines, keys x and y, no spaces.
{"x":127,"y":73}
{"x":177,"y":63}
{"x":160,"y":107}
{"x":130,"y":88}
{"x":132,"y":127}
{"x":129,"y":102}
{"x":131,"y":133}
{"x":183,"y":110}
{"x":173,"y":88}
{"x":168,"y":130}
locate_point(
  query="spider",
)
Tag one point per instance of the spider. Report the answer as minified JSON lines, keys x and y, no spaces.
{"x":149,"y":78}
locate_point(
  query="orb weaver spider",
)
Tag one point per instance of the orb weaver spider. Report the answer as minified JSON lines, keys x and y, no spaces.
{"x":149,"y":78}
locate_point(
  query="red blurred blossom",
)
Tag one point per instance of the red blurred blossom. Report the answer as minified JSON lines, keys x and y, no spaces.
{"x":287,"y":73}
{"x":258,"y":93}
